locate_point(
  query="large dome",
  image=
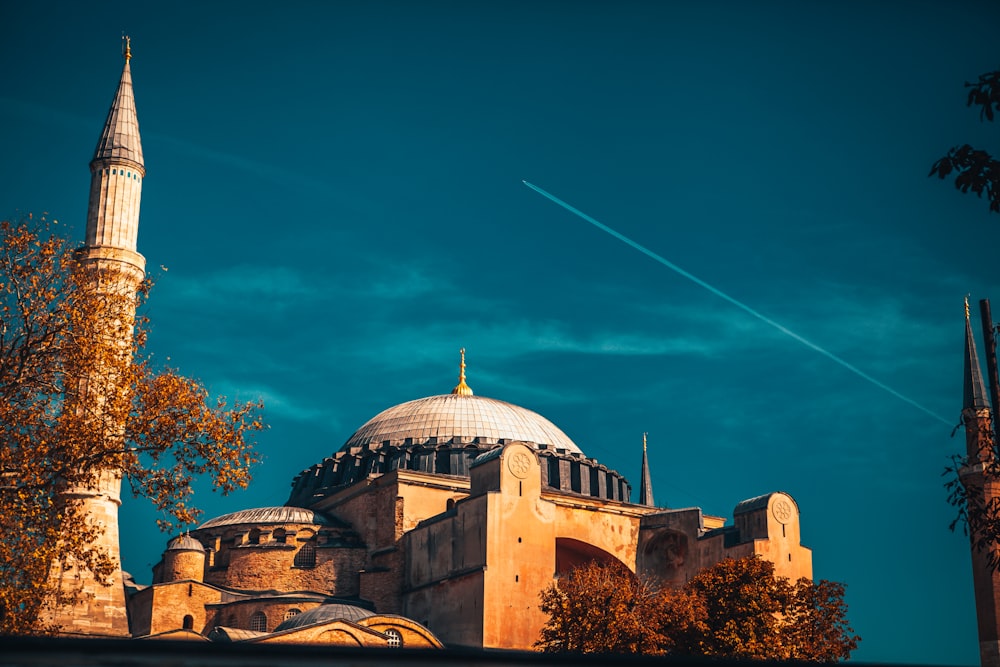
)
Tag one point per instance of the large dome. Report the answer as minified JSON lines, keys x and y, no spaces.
{"x":458,"y":419}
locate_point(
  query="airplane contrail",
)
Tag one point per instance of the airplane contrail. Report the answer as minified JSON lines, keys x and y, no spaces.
{"x":719,"y":293}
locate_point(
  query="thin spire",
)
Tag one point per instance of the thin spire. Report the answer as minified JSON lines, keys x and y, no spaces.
{"x":462,"y":389}
{"x":646,"y":482}
{"x":120,"y":137}
{"x":975,"y":389}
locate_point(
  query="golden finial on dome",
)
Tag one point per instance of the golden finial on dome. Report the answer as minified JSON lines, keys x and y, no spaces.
{"x":966,"y":306}
{"x":462,"y":389}
{"x":644,"y":442}
{"x":127,"y":43}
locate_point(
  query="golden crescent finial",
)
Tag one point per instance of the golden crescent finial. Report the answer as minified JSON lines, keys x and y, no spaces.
{"x":644,"y":442}
{"x":967,"y":306}
{"x":128,"y":47}
{"x":462,"y":389}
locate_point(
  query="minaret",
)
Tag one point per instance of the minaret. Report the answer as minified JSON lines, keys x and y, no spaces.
{"x":645,"y":482}
{"x":981,"y":490}
{"x":109,"y":258}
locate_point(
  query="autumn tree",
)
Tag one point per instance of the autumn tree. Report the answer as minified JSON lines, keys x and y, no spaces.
{"x":975,"y":170}
{"x":80,"y":399}
{"x":605,"y":608}
{"x":754,"y":614}
{"x":816,"y":626}
{"x":744,"y":601}
{"x":737,"y":608}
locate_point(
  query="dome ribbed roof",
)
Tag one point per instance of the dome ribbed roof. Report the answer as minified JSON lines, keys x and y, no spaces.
{"x":268,"y":515}
{"x":185,"y":543}
{"x":458,"y":418}
{"x":328,"y":612}
{"x":120,"y":137}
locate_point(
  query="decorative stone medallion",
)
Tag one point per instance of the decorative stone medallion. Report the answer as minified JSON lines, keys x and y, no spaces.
{"x":519,"y":464}
{"x":782,"y":510}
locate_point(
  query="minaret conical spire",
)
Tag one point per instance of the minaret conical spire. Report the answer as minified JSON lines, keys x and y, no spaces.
{"x":116,"y":176}
{"x":975,"y":396}
{"x":645,"y":482}
{"x":120,"y":137}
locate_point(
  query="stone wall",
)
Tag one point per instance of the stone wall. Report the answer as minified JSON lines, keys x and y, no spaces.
{"x":289,"y":557}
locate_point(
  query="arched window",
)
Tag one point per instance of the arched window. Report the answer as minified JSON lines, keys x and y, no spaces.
{"x":395,"y":640}
{"x":292,"y":612}
{"x":278,"y":535}
{"x":254,"y":537}
{"x":189,"y":622}
{"x":258,"y":622}
{"x":306,"y":557}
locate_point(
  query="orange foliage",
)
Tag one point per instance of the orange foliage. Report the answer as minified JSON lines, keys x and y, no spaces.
{"x":735,"y":609}
{"x":78,"y":399}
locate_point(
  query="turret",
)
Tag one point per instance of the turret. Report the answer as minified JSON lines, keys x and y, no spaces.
{"x":184,"y":559}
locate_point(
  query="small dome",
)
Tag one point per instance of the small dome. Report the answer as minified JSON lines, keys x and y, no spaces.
{"x":458,"y":418}
{"x":185,"y":543}
{"x":337,"y":611}
{"x":260,"y":515}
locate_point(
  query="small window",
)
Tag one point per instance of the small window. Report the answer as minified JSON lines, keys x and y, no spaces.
{"x":258,"y":622}
{"x":278,"y":535}
{"x":292,"y":612}
{"x":306,"y":557}
{"x":189,"y":622}
{"x":393,"y":638}
{"x":128,"y":174}
{"x":254,"y":537}
{"x":114,"y":172}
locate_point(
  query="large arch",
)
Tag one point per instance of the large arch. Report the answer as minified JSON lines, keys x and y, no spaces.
{"x":571,"y":552}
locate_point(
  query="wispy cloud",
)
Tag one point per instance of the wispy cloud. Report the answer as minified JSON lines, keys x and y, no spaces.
{"x":277,"y":403}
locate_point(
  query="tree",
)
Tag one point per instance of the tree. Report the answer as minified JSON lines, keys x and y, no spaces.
{"x":735,"y":609}
{"x":976,"y":170}
{"x":605,"y":608}
{"x":754,"y":614}
{"x":743,"y":599}
{"x":78,"y":400}
{"x":817,"y":627}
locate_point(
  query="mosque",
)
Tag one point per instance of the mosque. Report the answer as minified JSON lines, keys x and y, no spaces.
{"x":437,"y":523}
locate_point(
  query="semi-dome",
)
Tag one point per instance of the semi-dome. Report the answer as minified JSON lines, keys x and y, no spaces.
{"x":336,"y":611}
{"x":285,"y":514}
{"x":458,"y":418}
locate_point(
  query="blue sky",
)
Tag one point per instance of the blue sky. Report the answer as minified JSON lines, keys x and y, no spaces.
{"x":335,"y":192}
